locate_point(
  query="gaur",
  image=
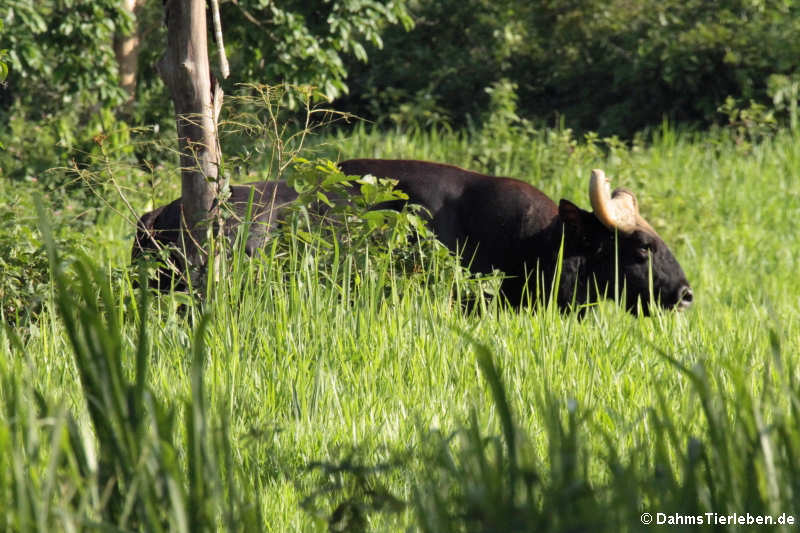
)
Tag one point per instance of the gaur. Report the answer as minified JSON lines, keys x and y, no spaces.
{"x":504,"y":224}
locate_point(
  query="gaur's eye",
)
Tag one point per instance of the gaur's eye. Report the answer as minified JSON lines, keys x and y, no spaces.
{"x":643,"y":251}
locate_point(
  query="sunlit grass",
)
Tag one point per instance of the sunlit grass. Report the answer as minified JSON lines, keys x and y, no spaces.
{"x":301,"y":367}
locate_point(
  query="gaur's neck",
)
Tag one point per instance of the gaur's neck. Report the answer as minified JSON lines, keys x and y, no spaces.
{"x":573,"y":282}
{"x":578,"y":284}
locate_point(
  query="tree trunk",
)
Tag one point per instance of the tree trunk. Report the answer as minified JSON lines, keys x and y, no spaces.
{"x":185,"y":71}
{"x":126,"y":49}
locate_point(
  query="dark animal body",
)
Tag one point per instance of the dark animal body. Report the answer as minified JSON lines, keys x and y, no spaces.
{"x":159,"y":229}
{"x":505,"y":224}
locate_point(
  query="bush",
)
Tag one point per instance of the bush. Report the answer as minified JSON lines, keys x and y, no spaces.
{"x":25,"y":283}
{"x":612,"y":67}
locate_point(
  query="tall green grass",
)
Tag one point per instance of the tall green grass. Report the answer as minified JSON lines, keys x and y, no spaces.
{"x":737,"y":473}
{"x":305,"y":397}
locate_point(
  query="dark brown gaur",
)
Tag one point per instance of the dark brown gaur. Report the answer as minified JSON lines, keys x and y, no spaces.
{"x":509,"y":225}
{"x":496,"y":223}
{"x":159,"y":230}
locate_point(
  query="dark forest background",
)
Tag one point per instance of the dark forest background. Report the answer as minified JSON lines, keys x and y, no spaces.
{"x":613,"y":67}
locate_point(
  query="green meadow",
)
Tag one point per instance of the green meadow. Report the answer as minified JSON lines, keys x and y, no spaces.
{"x":319,"y":390}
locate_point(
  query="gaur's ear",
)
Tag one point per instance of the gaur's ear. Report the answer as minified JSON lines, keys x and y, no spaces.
{"x":579,"y":226}
{"x":572,"y":216}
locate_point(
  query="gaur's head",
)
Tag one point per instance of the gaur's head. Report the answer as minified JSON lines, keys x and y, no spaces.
{"x":641,"y":257}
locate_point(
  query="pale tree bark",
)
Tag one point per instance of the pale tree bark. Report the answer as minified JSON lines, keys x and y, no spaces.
{"x":126,"y":49}
{"x":197,"y":98}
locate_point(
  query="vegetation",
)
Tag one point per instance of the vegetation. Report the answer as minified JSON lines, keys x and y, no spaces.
{"x":351,"y":376}
{"x":63,"y":92}
{"x":338,"y":394}
{"x":609,"y":66}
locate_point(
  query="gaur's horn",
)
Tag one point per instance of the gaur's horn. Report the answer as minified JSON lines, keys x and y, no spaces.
{"x":618,"y":210}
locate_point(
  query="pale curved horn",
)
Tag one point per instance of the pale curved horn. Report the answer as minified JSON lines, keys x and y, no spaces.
{"x":618,"y":210}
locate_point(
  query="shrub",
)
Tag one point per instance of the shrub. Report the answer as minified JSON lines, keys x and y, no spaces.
{"x":612,"y":67}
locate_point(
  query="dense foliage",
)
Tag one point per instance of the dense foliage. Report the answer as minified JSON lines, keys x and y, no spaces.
{"x":3,"y":59}
{"x":319,"y":388}
{"x":63,"y":93}
{"x":612,"y":67}
{"x":61,"y":82}
{"x":305,"y":42}
{"x":337,"y":380}
{"x":60,"y":54}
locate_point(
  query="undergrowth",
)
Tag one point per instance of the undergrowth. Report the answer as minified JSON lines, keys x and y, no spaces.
{"x":323,"y":385}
